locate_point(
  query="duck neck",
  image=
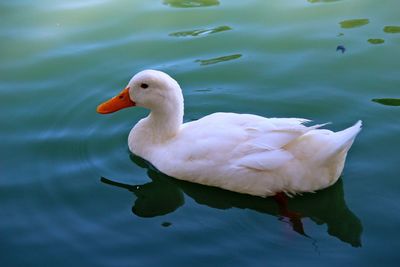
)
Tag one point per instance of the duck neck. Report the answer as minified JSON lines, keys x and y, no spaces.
{"x":165,"y":122}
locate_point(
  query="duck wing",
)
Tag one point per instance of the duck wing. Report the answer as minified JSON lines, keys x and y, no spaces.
{"x":266,"y":146}
{"x":244,"y":140}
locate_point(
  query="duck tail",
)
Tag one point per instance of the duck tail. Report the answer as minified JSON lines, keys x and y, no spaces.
{"x":343,"y":140}
{"x":346,"y":137}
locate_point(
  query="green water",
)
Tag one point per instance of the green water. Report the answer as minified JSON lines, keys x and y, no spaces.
{"x":277,"y":58}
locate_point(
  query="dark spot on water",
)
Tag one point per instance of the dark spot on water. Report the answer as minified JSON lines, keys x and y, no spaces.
{"x":387,"y":101}
{"x":166,"y":224}
{"x":341,"y":48}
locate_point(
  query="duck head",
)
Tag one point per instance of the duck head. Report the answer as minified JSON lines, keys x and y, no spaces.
{"x":150,"y":89}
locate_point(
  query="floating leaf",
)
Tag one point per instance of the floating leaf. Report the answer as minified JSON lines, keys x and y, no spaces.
{"x":388,"y":101}
{"x":195,"y":33}
{"x":322,"y":1}
{"x":191,"y":3}
{"x":392,"y":29}
{"x":218,"y":59}
{"x":376,"y":41}
{"x":353,"y":23}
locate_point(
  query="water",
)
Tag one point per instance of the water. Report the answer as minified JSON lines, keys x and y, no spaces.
{"x":277,"y":58}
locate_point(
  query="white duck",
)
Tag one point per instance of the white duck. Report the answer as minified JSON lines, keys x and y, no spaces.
{"x":238,"y":152}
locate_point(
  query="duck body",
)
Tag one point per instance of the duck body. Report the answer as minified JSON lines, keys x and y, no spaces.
{"x":239,"y":152}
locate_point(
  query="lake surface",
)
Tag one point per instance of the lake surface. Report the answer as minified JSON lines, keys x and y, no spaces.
{"x":329,"y":61}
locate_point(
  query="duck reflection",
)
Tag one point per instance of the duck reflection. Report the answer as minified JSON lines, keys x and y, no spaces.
{"x":165,"y":194}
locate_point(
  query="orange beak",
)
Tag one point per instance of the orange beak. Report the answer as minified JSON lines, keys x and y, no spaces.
{"x":120,"y":101}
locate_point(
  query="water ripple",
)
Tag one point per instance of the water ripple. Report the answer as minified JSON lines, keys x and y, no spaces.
{"x":78,"y":5}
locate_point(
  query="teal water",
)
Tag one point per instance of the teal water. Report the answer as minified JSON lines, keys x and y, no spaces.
{"x":278,"y":58}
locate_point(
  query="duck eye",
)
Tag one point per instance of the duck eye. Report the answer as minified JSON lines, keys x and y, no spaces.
{"x":144,"y":85}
